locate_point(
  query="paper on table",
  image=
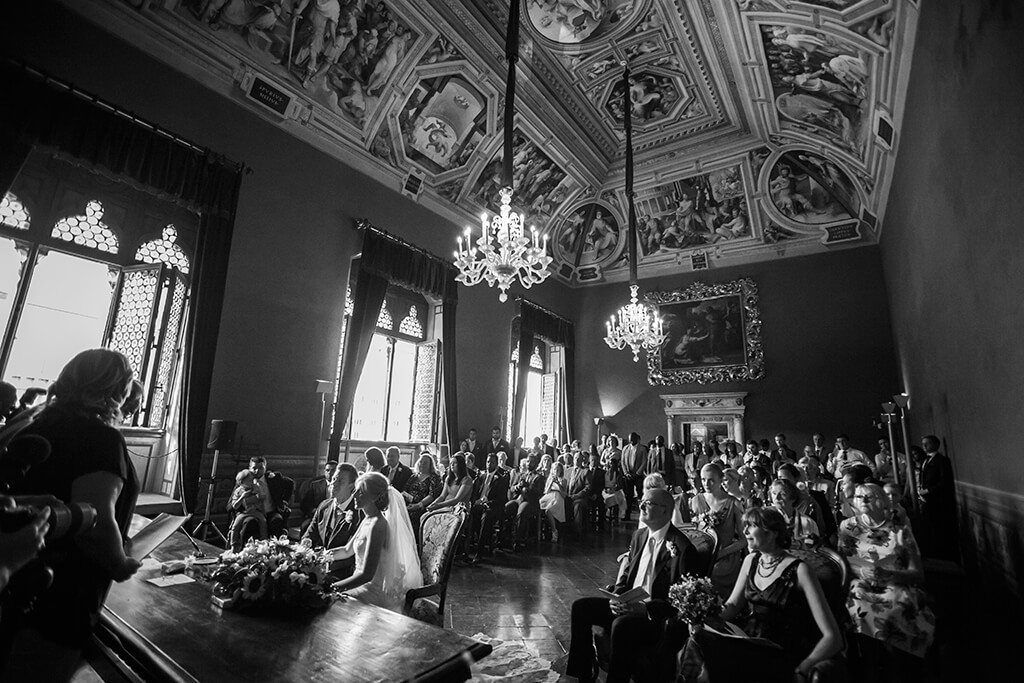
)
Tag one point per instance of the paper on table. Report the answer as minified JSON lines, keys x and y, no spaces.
{"x":153,"y":534}
{"x":172,"y":580}
{"x":632,"y":595}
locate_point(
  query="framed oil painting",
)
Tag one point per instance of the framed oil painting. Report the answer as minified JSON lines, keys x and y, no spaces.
{"x":713,"y":334}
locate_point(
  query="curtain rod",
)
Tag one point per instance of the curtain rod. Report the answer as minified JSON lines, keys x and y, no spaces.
{"x":523,"y":300}
{"x":114,"y":109}
{"x":363,"y":224}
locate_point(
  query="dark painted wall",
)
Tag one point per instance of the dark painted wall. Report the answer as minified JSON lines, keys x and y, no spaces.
{"x":952,"y":246}
{"x":292,"y":244}
{"x":828,"y":352}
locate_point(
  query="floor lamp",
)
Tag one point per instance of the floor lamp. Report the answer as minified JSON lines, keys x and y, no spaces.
{"x":222,"y":437}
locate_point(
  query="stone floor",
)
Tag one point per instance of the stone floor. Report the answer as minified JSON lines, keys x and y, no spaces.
{"x":527,"y":595}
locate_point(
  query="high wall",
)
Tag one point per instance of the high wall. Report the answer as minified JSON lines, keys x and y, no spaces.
{"x":292,"y":244}
{"x":951,"y":248}
{"x":827,"y":342}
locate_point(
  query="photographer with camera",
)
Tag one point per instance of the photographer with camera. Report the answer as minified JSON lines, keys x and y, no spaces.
{"x":88,"y":464}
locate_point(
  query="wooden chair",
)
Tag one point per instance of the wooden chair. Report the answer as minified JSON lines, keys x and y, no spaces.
{"x":706,"y":544}
{"x":833,"y":573}
{"x":439,"y":533}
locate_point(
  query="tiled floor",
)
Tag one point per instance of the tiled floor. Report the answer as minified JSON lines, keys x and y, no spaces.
{"x":528,"y":595}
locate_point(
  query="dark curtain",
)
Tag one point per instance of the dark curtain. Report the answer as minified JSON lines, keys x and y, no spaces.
{"x":386,"y":259}
{"x":537,"y":322}
{"x":76,"y":127}
{"x":367,"y":298}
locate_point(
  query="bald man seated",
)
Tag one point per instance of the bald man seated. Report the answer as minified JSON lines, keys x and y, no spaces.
{"x":659,"y":554}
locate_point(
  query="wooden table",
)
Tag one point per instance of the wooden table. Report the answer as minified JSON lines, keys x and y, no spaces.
{"x":175,"y":634}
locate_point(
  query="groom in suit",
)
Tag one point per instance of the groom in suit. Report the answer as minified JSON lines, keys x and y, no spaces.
{"x":336,"y":519}
{"x":659,"y":555}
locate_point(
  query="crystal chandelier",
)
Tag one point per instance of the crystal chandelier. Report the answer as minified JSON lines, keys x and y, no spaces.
{"x":637,"y":325}
{"x":503,"y":253}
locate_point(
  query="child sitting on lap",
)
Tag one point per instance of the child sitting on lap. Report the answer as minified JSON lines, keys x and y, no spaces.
{"x":245,"y":499}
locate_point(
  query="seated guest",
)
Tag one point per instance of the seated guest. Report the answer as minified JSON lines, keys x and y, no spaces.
{"x":517,"y":454}
{"x":398,"y":474}
{"x":733,"y":459}
{"x":818,"y":448}
{"x":811,"y":468}
{"x":488,"y":510}
{"x":8,"y":400}
{"x":786,"y":606}
{"x":524,"y":499}
{"x":319,"y":489}
{"x":503,"y":463}
{"x":812,"y":503}
{"x":716,"y":509}
{"x":695,"y":461}
{"x":552,"y":503}
{"x":659,"y":555}
{"x":387,"y":563}
{"x":851,"y":479}
{"x":544,"y":468}
{"x":895,"y":495}
{"x":274,"y":491}
{"x":375,"y":460}
{"x":804,"y":531}
{"x":888,"y":609}
{"x":585,"y":489}
{"x":613,"y":495}
{"x":458,"y":485}
{"x":249,"y":506}
{"x":336,"y":519}
{"x":782,"y":453}
{"x":752,"y":456}
{"x":844,"y":456}
{"x":883,"y":462}
{"x":421,"y":490}
{"x":747,"y":495}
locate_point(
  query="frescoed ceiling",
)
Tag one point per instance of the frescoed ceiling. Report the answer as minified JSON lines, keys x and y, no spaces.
{"x":762,"y":128}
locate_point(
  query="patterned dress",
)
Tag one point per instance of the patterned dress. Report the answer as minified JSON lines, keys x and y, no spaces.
{"x":895,"y":614}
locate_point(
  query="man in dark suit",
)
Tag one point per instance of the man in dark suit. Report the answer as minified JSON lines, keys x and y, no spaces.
{"x":318,"y":491}
{"x":938,"y":493}
{"x":275,"y":492}
{"x":475,"y":446}
{"x":336,"y":519}
{"x":585,"y":489}
{"x":489,"y":508}
{"x":782,"y":453}
{"x":497,"y":444}
{"x":524,"y":499}
{"x":397,"y":473}
{"x":659,"y":554}
{"x":661,"y":461}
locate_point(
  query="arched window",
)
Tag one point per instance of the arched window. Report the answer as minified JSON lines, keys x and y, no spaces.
{"x":164,"y":250}
{"x":410,"y":325}
{"x":13,"y":213}
{"x":88,"y":230}
{"x":384,"y":320}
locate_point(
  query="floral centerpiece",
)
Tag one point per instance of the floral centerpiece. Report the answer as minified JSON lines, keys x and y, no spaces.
{"x":695,"y":599}
{"x":273,"y":572}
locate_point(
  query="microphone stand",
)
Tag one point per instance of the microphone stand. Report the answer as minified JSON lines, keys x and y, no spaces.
{"x":208,"y":523}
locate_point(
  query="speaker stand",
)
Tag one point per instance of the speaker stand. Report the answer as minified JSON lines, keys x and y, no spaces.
{"x":208,"y":523}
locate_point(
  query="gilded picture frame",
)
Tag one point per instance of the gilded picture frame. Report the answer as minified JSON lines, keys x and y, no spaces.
{"x":713,"y":334}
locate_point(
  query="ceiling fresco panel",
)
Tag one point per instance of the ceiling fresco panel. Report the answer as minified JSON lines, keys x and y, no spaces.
{"x":762,"y":128}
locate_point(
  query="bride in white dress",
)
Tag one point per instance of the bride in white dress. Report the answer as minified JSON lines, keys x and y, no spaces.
{"x":386,"y":559}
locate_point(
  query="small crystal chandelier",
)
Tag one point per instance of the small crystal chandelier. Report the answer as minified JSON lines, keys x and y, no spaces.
{"x":503,"y":253}
{"x":638,"y":325}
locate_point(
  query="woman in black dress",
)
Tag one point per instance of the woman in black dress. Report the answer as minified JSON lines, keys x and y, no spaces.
{"x":788,"y":627}
{"x":88,"y":463}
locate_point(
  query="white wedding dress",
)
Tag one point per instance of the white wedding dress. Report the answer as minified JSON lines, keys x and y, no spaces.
{"x":399,"y":568}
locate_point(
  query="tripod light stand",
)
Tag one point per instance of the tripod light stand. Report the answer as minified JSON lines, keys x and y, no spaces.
{"x":222,"y":437}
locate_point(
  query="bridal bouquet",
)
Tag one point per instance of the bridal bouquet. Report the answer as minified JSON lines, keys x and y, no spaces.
{"x":274,"y":571}
{"x":695,"y":599}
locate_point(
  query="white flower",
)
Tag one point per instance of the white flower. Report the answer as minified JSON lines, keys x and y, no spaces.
{"x":297,"y":577}
{"x":348,"y":516}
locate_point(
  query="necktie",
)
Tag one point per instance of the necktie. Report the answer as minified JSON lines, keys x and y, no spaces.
{"x":645,"y":571}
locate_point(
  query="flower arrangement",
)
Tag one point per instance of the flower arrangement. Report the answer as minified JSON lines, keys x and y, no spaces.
{"x":273,"y":571}
{"x":695,"y":599}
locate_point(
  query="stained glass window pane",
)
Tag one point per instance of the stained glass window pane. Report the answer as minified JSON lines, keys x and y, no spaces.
{"x":384,"y":320}
{"x":13,"y":213}
{"x":164,"y":250}
{"x":87,"y":230}
{"x":410,"y":325}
